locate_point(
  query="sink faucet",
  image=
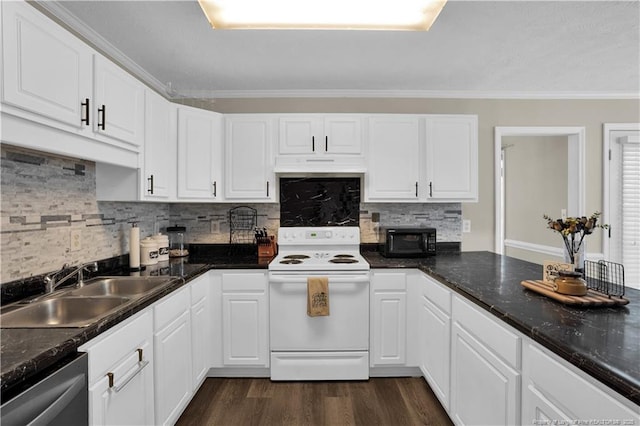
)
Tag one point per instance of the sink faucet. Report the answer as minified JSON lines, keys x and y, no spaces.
{"x":52,"y":282}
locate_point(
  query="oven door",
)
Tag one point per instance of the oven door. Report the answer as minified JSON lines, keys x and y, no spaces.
{"x":345,"y":328}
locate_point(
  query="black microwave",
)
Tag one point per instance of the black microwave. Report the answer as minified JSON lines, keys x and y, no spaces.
{"x":407,"y":242}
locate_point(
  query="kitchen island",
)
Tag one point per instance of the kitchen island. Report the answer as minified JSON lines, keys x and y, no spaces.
{"x":603,"y":342}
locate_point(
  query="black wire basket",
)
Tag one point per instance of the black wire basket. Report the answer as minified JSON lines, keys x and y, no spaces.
{"x":605,"y":277}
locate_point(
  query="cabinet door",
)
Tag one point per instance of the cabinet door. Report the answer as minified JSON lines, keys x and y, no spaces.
{"x":484,"y":390}
{"x":300,"y":135}
{"x":46,"y":70}
{"x":173,"y":377}
{"x":342,"y":135}
{"x":245,"y":329}
{"x":119,"y":103}
{"x":199,"y":154}
{"x":435,"y":339}
{"x":131,"y":404}
{"x":452,"y":157}
{"x":389,"y":328}
{"x":249,"y":164}
{"x":200,"y":329}
{"x":160,"y":149}
{"x":393,"y":158}
{"x":388,"y":318}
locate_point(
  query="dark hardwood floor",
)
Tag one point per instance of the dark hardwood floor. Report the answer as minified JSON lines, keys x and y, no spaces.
{"x":378,"y":401}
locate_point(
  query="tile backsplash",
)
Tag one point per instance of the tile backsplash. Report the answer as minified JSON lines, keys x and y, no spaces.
{"x":44,"y":197}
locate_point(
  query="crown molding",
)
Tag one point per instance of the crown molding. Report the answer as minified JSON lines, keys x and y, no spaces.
{"x":95,"y":40}
{"x":432,"y":94}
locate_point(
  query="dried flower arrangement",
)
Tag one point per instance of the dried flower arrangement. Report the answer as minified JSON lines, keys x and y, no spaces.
{"x":573,"y":230}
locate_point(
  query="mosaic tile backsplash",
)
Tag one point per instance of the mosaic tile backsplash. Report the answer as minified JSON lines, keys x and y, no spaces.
{"x":44,"y":197}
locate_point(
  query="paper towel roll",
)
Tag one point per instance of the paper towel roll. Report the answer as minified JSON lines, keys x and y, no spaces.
{"x":134,"y":247}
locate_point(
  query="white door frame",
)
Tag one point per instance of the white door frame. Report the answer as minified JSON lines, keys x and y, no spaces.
{"x":607,"y":128}
{"x":575,"y":171}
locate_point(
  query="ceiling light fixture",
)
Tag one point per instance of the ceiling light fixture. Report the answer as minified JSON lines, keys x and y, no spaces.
{"x":415,"y":15}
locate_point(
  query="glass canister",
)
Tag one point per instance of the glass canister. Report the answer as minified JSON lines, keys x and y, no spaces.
{"x":177,"y":245}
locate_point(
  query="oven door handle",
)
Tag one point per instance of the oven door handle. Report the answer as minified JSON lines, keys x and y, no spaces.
{"x":332,"y":279}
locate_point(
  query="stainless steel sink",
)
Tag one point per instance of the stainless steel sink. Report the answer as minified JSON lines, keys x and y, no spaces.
{"x":120,"y":286}
{"x":62,"y":312}
{"x":82,"y":306}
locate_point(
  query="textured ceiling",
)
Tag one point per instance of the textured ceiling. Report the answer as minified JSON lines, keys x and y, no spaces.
{"x":476,"y":48}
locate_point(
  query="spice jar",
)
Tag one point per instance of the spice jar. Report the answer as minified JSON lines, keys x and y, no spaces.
{"x":570,"y":282}
{"x":177,"y":245}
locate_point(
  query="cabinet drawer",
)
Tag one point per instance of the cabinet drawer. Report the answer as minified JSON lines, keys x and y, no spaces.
{"x":391,"y":281}
{"x":107,"y":350}
{"x":572,"y":393}
{"x":437,"y":294}
{"x":170,"y":308}
{"x":244,"y":282}
{"x":492,"y":334}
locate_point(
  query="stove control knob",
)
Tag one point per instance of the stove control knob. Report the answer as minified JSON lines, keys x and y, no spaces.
{"x":327,"y":234}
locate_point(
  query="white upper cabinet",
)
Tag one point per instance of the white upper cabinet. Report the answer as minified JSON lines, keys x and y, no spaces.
{"x":393,"y":158}
{"x":452,"y":157}
{"x":46,"y":70}
{"x":119,"y":103}
{"x":248,"y":158}
{"x":319,"y":134}
{"x":422,"y":158}
{"x":199,"y":154}
{"x":159,"y":173}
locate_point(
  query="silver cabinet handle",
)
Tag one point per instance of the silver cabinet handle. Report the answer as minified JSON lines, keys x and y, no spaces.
{"x":215,"y":188}
{"x":141,"y":365}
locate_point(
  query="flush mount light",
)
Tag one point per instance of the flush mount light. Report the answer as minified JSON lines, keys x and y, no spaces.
{"x":416,"y":15}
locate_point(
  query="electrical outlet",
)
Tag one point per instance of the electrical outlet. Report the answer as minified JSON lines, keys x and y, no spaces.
{"x":214,"y":228}
{"x":466,"y":226}
{"x":563,"y":214}
{"x":75,"y":243}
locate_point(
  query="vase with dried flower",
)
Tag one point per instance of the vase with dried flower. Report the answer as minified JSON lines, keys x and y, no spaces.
{"x":573,"y":230}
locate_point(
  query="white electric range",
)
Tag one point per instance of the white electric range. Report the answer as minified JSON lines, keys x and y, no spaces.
{"x":333,"y":347}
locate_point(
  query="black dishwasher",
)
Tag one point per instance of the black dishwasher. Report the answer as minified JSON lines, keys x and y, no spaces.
{"x":59,"y":398}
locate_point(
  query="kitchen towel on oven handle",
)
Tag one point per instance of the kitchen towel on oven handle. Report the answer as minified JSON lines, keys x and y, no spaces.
{"x":318,"y":296}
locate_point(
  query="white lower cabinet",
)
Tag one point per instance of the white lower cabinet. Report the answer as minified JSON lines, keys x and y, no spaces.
{"x":172,"y":353}
{"x":121,"y":382}
{"x":388,"y":334}
{"x":435,"y":337}
{"x":200,"y":329}
{"x":245,"y":319}
{"x":553,"y":392}
{"x":485,"y":363}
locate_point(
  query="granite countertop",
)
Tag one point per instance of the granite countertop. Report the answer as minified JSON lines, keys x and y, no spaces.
{"x":604,"y":342}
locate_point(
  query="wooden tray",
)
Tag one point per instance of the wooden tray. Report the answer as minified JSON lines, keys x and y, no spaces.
{"x":592,"y":298}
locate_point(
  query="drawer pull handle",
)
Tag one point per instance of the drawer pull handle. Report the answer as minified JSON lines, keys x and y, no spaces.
{"x":141,"y":365}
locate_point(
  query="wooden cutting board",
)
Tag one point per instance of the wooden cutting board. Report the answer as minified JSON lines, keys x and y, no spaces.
{"x":592,"y":298}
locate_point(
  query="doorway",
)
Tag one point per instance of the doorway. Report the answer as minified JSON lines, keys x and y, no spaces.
{"x":621,"y":197}
{"x":573,"y":189}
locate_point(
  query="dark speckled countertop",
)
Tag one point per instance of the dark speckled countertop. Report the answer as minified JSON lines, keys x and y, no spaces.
{"x":604,"y":342}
